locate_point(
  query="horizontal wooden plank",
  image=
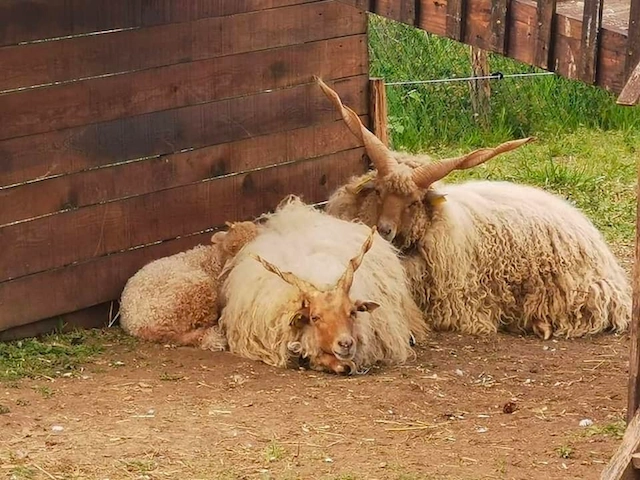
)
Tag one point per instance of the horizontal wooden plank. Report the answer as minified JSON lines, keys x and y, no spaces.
{"x":146,"y":176}
{"x":34,"y":111}
{"x":174,"y":212}
{"x":121,"y":51}
{"x":24,"y":21}
{"x":158,"y":133}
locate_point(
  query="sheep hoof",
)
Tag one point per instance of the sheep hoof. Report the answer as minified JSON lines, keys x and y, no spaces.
{"x":543,"y":330}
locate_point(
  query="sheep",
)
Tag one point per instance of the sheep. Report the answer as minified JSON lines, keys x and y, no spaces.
{"x":484,"y":256}
{"x":175,"y":299}
{"x":296,"y":292}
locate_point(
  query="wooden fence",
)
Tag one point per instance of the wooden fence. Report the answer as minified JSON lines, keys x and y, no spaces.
{"x":576,"y":39}
{"x":140,"y":126}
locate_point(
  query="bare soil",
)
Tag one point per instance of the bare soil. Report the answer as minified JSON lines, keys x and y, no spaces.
{"x":155,"y":412}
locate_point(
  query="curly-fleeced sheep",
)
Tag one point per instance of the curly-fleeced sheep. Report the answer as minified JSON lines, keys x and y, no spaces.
{"x":302,"y":290}
{"x":175,"y":299}
{"x":486,"y":255}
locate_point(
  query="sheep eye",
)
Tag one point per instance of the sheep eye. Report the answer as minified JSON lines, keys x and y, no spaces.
{"x":315,"y":318}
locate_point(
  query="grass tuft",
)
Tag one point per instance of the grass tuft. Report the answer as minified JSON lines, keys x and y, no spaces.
{"x":51,"y":356}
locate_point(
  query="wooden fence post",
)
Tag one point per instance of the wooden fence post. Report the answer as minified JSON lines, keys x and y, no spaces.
{"x":378,"y":109}
{"x":480,"y":89}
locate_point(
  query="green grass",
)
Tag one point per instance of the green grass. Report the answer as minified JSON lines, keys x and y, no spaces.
{"x":586,"y":148}
{"x":51,"y":355}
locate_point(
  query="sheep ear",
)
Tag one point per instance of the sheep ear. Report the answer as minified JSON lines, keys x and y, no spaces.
{"x":366,"y":306}
{"x":218,"y":237}
{"x":301,"y":317}
{"x":435,"y":198}
{"x":365,"y":184}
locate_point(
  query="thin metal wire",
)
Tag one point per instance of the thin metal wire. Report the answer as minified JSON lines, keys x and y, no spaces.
{"x":493,"y":76}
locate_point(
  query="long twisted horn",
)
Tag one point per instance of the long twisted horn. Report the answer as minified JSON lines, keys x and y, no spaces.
{"x":425,"y":175}
{"x":346,"y":280}
{"x":378,"y":152}
{"x":290,"y":278}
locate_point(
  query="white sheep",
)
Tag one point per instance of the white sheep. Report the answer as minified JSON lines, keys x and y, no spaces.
{"x":486,"y":255}
{"x":300,"y":289}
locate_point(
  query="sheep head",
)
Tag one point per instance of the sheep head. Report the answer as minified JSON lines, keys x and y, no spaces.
{"x":330,"y":313}
{"x":400,"y":189}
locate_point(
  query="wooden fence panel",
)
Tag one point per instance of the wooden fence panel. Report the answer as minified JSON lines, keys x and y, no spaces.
{"x":102,"y":173}
{"x":522,"y":38}
{"x":590,"y":40}
{"x":34,"y":111}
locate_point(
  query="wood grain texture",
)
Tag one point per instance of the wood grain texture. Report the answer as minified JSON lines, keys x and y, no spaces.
{"x":634,"y":352}
{"x":137,"y":178}
{"x":35,"y":111}
{"x":158,"y":133}
{"x":97,"y":278}
{"x":53,"y":241}
{"x":499,"y":24}
{"x":590,"y":40}
{"x":630,"y":94}
{"x":400,"y":10}
{"x":545,"y":21}
{"x":620,"y":467}
{"x":456,"y":19}
{"x":28,"y":20}
{"x":122,"y":51}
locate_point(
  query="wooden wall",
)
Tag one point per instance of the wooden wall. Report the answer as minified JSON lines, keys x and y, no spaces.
{"x":138,"y":141}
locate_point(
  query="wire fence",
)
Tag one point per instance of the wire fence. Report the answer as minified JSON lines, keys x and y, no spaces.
{"x":430,"y":83}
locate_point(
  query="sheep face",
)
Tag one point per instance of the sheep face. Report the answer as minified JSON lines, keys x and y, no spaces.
{"x":327,"y":319}
{"x":330,"y":319}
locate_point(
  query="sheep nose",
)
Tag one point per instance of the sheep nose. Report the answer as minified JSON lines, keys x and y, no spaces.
{"x":384,"y":230}
{"x":346,"y":343}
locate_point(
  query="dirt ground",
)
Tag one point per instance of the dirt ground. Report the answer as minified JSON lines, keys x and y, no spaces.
{"x":156,"y":412}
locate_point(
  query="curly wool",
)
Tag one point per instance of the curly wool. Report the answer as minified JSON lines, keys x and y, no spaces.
{"x":497,"y":255}
{"x":175,"y":299}
{"x":316,"y":247}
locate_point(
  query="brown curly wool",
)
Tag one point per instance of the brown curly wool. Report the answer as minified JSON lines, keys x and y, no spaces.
{"x":175,"y":299}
